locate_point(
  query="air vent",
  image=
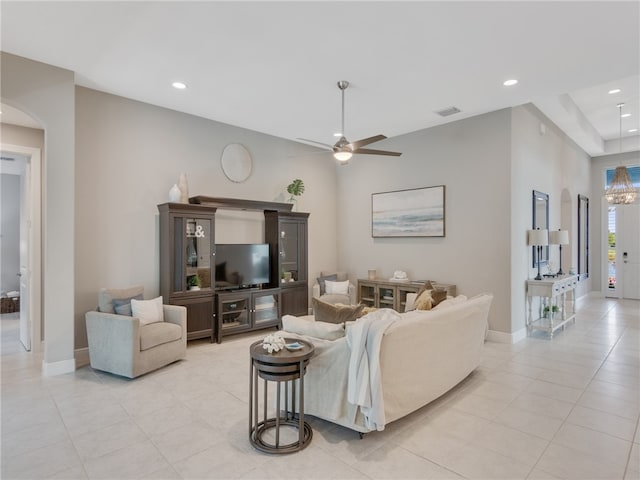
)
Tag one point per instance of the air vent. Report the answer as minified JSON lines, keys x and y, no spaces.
{"x":448,"y":111}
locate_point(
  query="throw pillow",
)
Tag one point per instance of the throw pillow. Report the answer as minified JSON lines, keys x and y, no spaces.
{"x":148,"y":311}
{"x":323,"y":279}
{"x":325,"y":312}
{"x":424,"y":301}
{"x":336,"y":288}
{"x":427,"y":286}
{"x":107,"y":295}
{"x":410,"y":302}
{"x":311,"y":328}
{"x":438,"y":295}
{"x":122,"y":306}
{"x":451,"y":301}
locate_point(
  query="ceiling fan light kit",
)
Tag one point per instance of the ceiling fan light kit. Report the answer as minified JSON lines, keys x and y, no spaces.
{"x":343,"y":150}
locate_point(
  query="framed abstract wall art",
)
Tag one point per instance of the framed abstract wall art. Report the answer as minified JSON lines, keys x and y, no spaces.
{"x":418,"y":212}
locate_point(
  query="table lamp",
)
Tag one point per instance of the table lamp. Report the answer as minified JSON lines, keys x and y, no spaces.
{"x":559,"y":237}
{"x":538,"y":238}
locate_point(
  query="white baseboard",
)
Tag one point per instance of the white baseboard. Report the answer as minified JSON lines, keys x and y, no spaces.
{"x":49,"y":369}
{"x":502,"y":337}
{"x":82,"y":357}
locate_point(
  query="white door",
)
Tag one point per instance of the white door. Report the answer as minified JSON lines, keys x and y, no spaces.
{"x":628,"y":249}
{"x":25,"y":268}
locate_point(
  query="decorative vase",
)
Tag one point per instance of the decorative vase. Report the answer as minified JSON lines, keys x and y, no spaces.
{"x":294,"y":202}
{"x":175,"y":195}
{"x":184,"y":188}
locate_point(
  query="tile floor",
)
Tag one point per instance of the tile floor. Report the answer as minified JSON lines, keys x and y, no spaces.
{"x":539,"y":409}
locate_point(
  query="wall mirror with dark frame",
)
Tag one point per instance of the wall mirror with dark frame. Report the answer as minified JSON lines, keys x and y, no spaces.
{"x":540,"y":220}
{"x":583,"y":237}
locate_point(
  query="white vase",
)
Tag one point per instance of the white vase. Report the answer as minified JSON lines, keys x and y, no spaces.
{"x":175,"y":195}
{"x":184,"y":188}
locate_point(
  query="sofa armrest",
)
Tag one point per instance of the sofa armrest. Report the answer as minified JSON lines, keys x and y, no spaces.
{"x":176,"y":314}
{"x":353,"y":294}
{"x":316,"y":290}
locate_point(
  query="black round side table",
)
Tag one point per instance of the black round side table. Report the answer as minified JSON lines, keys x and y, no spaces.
{"x":283,"y":368}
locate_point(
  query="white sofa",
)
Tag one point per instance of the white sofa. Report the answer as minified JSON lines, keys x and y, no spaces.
{"x":422,"y":355}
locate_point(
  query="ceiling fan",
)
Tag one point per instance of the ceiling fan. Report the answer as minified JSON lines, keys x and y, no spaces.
{"x":343,"y":149}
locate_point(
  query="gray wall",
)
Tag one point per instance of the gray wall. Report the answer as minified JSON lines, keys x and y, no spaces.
{"x":10,"y":231}
{"x":47,"y":94}
{"x":129,"y":154}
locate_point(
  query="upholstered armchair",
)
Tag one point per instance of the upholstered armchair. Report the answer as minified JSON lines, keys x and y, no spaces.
{"x":348,"y":297}
{"x":130,"y":337}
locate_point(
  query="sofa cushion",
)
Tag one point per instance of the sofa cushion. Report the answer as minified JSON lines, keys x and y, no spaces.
{"x":307,"y":326}
{"x":325,"y":312}
{"x":107,"y":295}
{"x":157,"y":333}
{"x":148,"y":311}
{"x":341,"y":276}
{"x":323,"y":279}
{"x":451,"y":301}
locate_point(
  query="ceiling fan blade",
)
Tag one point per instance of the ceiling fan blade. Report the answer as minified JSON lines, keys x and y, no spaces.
{"x":326,"y":145}
{"x":366,"y":141}
{"x":370,"y":151}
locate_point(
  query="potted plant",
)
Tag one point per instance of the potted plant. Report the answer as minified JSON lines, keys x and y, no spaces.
{"x":295,"y":189}
{"x":194,"y":282}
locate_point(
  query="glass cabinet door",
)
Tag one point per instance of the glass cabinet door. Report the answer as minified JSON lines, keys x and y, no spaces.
{"x":192,"y":254}
{"x":234,"y":312}
{"x":265,"y":308}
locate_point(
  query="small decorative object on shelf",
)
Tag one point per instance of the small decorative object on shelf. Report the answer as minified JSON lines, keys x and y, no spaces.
{"x":194,"y":282}
{"x":273,"y":343}
{"x":184,"y":188}
{"x":175,"y":194}
{"x":295,"y":189}
{"x":399,"y":276}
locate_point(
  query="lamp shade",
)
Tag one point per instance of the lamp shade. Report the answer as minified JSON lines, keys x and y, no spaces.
{"x":538,"y":237}
{"x":559,"y":237}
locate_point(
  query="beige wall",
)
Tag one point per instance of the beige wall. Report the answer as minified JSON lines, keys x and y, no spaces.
{"x":129,"y":154}
{"x":551,"y":163}
{"x":47,"y":94}
{"x":471,"y":158}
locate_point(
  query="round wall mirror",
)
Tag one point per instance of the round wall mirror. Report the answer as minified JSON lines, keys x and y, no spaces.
{"x":236,"y":162}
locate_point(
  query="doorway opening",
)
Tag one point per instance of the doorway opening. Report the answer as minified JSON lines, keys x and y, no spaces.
{"x":20,"y":249}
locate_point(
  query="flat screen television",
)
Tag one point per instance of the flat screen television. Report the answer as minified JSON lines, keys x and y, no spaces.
{"x":241,"y":265}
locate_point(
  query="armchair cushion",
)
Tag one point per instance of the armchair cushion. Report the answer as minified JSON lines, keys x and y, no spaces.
{"x":323,"y":279}
{"x":338,"y":288}
{"x":155,"y":334}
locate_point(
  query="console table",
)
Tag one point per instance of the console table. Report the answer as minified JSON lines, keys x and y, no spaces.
{"x":388,"y":294}
{"x":552,"y":293}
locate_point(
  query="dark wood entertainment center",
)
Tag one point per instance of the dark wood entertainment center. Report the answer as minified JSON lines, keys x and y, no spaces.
{"x":187,"y":252}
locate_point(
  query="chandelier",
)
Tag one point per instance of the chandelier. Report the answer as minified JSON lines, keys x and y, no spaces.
{"x":621,"y":191}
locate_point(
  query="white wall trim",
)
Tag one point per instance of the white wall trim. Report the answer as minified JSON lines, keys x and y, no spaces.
{"x":82,"y":357}
{"x":502,"y":337}
{"x":49,"y":369}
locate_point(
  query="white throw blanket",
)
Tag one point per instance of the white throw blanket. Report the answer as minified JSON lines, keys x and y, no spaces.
{"x":364,"y":387}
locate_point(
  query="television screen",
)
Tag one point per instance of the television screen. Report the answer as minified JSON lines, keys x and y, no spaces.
{"x":241,"y":265}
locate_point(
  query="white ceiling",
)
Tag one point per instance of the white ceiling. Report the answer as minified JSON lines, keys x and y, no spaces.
{"x":273,"y":66}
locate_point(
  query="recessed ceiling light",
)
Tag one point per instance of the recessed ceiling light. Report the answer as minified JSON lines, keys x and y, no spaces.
{"x":179,"y":85}
{"x":632,"y":130}
{"x":510,"y":83}
{"x":337,"y":134}
{"x":614,"y":90}
{"x":625,"y":115}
